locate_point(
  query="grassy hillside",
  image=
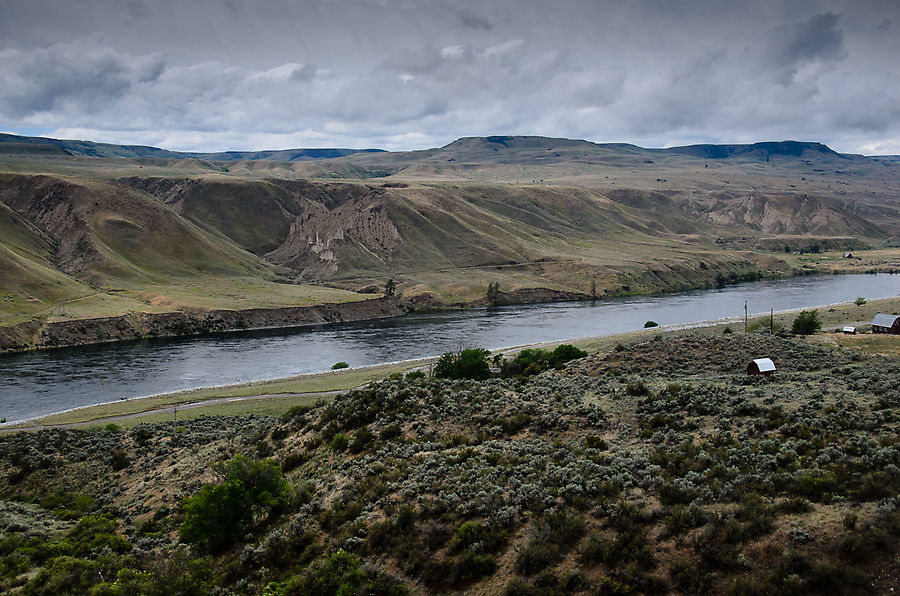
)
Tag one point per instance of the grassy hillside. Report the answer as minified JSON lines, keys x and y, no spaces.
{"x":654,"y":467}
{"x":545,"y":218}
{"x":89,"y":248}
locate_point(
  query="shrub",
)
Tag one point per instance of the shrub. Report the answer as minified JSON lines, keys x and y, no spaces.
{"x":807,"y":323}
{"x":221,"y":513}
{"x":339,"y":365}
{"x":470,"y":363}
{"x":391,"y":431}
{"x":339,"y":442}
{"x":552,"y":536}
{"x":566,"y":352}
{"x":337,"y":573}
{"x":362,"y":439}
{"x":649,"y":324}
{"x":413,"y":375}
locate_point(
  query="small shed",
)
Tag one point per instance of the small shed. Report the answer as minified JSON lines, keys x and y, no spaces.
{"x":883,"y":323}
{"x":848,"y":255}
{"x":761,"y":366}
{"x":849,"y":330}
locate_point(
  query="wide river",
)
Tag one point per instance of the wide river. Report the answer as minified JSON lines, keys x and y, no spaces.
{"x":39,"y":383}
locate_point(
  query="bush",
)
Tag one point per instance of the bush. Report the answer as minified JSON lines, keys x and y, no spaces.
{"x":807,"y":323}
{"x":221,"y":513}
{"x":531,"y":361}
{"x":470,"y":363}
{"x":339,"y":442}
{"x":339,"y":365}
{"x":337,"y":573}
{"x":649,"y":324}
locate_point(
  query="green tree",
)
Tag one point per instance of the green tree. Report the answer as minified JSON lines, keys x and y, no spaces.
{"x":390,"y":287}
{"x":859,"y":301}
{"x":807,"y":323}
{"x":493,"y":292}
{"x":221,"y":513}
{"x":470,"y":363}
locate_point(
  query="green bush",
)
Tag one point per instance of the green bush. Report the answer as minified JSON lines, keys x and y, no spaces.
{"x":221,"y":513}
{"x":807,"y":323}
{"x":362,"y":439}
{"x":339,"y":442}
{"x":649,"y":324}
{"x":339,"y":365}
{"x":470,"y":363}
{"x":531,"y":361}
{"x":337,"y":573}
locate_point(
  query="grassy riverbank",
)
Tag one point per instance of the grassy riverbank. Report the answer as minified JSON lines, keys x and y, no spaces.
{"x":276,"y":396}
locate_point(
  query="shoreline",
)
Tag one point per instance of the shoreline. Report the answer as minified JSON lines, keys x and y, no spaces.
{"x":166,"y":401}
{"x":39,"y":335}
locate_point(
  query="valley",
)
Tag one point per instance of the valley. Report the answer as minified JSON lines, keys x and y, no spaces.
{"x":88,"y":232}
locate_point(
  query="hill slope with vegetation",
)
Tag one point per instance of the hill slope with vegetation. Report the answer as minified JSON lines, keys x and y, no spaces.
{"x":655,"y":467}
{"x":90,"y":230}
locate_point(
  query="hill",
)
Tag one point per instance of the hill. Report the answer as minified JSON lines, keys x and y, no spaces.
{"x":544,"y":218}
{"x":45,"y":146}
{"x":72,"y":248}
{"x":655,"y":467}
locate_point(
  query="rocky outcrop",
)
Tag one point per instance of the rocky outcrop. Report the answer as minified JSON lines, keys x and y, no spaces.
{"x":37,"y":334}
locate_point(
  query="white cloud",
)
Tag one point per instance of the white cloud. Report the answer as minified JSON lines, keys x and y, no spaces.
{"x":403,"y":75}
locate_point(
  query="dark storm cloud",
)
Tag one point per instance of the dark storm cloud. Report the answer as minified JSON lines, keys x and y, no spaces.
{"x":786,"y":49}
{"x":219,"y":74}
{"x":472,"y":21}
{"x":79,"y":75}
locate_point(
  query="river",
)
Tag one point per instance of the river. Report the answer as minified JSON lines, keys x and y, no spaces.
{"x":35,"y":384}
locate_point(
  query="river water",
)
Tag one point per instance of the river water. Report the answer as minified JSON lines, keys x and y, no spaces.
{"x":39,"y":383}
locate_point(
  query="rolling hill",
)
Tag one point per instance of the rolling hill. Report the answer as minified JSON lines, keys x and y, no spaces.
{"x":140,"y":228}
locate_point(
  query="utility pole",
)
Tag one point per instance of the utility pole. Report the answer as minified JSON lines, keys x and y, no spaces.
{"x":771,"y":321}
{"x":745,"y":316}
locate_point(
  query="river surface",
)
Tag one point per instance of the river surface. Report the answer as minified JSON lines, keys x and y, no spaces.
{"x":39,"y":383}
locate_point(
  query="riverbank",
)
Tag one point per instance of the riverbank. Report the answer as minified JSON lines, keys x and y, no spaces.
{"x":45,"y":333}
{"x":274,"y":397}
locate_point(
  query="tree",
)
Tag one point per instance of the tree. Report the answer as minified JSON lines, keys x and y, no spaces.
{"x":390,"y":287}
{"x":859,"y":301}
{"x":493,"y":292}
{"x":807,"y":323}
{"x":221,"y":513}
{"x":471,"y":363}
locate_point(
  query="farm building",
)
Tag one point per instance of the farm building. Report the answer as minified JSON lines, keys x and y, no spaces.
{"x":886,"y":324}
{"x":849,"y":330}
{"x":761,"y":366}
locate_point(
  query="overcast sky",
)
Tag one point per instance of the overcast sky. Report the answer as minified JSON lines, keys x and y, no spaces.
{"x":212,"y":75}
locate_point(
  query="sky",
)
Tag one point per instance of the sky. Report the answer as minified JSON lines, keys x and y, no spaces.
{"x":213,"y":75}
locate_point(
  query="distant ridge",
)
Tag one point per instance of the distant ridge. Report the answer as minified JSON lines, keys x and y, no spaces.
{"x":787,"y":148}
{"x":463,"y":147}
{"x":42,"y":145}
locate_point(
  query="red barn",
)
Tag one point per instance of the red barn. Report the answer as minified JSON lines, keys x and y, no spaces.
{"x":886,"y":324}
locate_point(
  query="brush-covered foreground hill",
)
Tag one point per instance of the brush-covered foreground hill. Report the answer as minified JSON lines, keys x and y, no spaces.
{"x":658,"y":467}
